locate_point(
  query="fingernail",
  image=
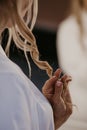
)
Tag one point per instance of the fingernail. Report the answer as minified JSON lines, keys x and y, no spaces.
{"x":59,"y":84}
{"x":54,"y":77}
{"x":60,"y":70}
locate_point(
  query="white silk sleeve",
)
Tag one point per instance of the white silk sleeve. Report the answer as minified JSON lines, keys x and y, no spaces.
{"x":22,"y":106}
{"x":14,"y":113}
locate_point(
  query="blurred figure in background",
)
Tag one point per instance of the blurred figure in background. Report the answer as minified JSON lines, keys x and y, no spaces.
{"x":72,"y":56}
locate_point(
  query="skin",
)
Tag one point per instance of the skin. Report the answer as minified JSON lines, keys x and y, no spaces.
{"x":22,"y":6}
{"x":85,"y":4}
{"x":57,"y":92}
{"x":55,"y":89}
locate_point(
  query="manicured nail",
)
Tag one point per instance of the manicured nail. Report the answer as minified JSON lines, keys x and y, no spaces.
{"x":54,"y":78}
{"x":59,"y":84}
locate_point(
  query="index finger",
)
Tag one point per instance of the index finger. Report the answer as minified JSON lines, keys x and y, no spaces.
{"x":49,"y":83}
{"x":57,"y":73}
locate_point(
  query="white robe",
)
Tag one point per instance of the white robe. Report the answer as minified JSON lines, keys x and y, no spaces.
{"x":22,"y":105}
{"x":73,"y":60}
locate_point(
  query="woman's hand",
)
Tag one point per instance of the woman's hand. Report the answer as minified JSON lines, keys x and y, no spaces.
{"x":57,"y":92}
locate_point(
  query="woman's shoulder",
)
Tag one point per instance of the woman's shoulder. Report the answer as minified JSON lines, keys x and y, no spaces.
{"x":11,"y":71}
{"x":13,"y":79}
{"x":7,"y":66}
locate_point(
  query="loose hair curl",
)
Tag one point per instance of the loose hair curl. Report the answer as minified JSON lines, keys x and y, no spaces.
{"x":21,"y":33}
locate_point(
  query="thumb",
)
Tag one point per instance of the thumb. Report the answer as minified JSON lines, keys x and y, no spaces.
{"x":58,"y":89}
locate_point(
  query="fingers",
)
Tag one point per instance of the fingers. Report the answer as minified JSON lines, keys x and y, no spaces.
{"x":62,"y":93}
{"x":57,"y":99}
{"x":66,"y":94}
{"x":49,"y":84}
{"x":63,"y":78}
{"x":66,"y":78}
{"x":64,"y":102}
{"x":58,"y":89}
{"x":57,"y":73}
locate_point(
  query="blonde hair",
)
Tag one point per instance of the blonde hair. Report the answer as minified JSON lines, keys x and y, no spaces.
{"x":76,"y":9}
{"x":21,"y":32}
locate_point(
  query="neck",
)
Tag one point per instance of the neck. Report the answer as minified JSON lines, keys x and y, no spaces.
{"x":2,"y":27}
{"x":1,"y":30}
{"x":85,"y":7}
{"x":0,"y":35}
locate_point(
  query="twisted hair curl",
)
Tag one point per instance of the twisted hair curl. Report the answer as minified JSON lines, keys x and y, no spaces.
{"x":22,"y":34}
